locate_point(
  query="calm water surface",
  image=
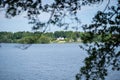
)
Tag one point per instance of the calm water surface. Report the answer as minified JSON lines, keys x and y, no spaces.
{"x":42,"y":62}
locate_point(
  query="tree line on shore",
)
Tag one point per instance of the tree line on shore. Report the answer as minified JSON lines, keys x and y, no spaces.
{"x":49,"y":37}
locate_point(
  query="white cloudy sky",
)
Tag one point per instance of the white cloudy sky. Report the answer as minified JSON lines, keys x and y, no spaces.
{"x":19,"y":23}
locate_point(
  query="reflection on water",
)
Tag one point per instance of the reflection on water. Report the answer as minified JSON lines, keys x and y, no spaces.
{"x":42,"y":62}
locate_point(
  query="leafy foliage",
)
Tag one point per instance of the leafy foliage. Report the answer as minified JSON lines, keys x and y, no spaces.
{"x":44,"y":39}
{"x":101,"y":55}
{"x":105,"y":54}
{"x":59,"y":10}
{"x":37,"y":37}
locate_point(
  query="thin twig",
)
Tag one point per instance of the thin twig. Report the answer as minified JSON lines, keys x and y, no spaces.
{"x":24,"y":46}
{"x":106,"y":6}
{"x":49,"y":20}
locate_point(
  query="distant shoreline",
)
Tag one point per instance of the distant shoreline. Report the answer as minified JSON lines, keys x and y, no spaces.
{"x":50,"y":37}
{"x":44,"y":43}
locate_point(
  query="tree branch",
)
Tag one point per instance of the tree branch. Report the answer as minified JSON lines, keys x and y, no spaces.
{"x":49,"y":20}
{"x":106,"y":6}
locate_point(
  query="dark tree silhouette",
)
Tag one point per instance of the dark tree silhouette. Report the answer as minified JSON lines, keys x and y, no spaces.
{"x":105,"y":54}
{"x":102,"y":54}
{"x":58,"y":10}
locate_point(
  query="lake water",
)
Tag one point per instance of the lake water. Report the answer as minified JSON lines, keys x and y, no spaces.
{"x":43,"y":62}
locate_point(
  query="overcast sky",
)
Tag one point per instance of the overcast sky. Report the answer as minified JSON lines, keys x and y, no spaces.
{"x":19,"y":23}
